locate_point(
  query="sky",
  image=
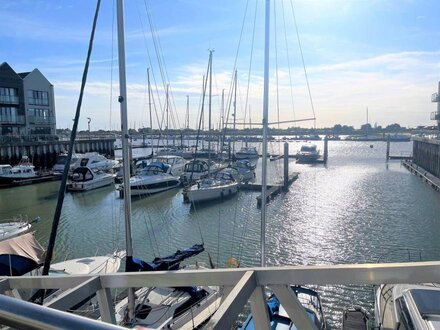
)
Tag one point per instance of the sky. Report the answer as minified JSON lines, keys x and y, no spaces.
{"x":357,"y":54}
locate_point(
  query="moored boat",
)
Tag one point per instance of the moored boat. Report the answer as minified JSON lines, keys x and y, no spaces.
{"x":154,"y":178}
{"x":247,"y":153}
{"x":407,"y":306}
{"x":218,"y":186}
{"x":84,"y":178}
{"x":308,"y":153}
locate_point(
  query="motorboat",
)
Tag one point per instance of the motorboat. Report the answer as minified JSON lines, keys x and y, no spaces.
{"x":14,"y":227}
{"x":196,"y":170}
{"x":245,"y":169}
{"x":58,"y":168}
{"x":220,"y":185}
{"x":84,"y":178}
{"x":407,"y":306}
{"x":308,"y":153}
{"x":154,"y":178}
{"x":24,"y":255}
{"x":176,"y":163}
{"x":95,"y":161}
{"x":170,"y":307}
{"x":247,"y":153}
{"x":279,"y":318}
{"x":23,"y":171}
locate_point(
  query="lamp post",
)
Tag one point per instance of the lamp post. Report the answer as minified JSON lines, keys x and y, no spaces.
{"x":88,"y":123}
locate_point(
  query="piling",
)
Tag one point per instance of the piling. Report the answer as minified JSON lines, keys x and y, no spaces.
{"x":286,"y":166}
{"x":325,"y":149}
{"x":388,"y":147}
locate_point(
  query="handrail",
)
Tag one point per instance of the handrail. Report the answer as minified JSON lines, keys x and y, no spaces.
{"x":242,"y":283}
{"x":20,"y":314}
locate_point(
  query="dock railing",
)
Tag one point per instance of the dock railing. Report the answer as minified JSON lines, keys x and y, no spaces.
{"x":239,"y":286}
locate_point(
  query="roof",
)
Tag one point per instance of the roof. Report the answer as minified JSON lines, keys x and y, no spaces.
{"x":23,"y":74}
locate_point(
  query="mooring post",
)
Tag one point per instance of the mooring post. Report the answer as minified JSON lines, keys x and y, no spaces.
{"x":286,"y":165}
{"x":325,"y":149}
{"x":388,"y":147}
{"x":131,"y":159}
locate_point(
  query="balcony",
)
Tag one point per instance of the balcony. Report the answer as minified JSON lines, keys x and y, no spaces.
{"x":435,"y":116}
{"x":34,"y":101}
{"x":8,"y":99}
{"x":14,"y":120}
{"x":435,"y":97}
{"x":41,"y":120}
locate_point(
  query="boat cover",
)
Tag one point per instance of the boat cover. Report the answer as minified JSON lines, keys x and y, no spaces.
{"x":167,"y":263}
{"x":20,"y":255}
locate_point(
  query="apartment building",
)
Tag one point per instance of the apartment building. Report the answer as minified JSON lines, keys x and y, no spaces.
{"x":27,"y":104}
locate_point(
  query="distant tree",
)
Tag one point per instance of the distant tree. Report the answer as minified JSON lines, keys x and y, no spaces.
{"x":366,"y":128}
{"x":394,"y":127}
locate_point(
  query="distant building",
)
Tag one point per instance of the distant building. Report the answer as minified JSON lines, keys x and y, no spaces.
{"x":27,"y":103}
{"x":436,"y":115}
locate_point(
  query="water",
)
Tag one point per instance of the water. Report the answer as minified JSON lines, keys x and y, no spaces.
{"x":354,"y":210}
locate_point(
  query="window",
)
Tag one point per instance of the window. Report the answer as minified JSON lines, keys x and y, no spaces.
{"x":8,"y":95}
{"x":38,"y":97}
{"x":405,"y":321}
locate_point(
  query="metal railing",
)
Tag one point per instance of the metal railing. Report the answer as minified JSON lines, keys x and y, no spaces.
{"x":435,"y":115}
{"x":41,"y":120}
{"x":9,"y":99}
{"x":12,"y":120}
{"x":240,"y":286}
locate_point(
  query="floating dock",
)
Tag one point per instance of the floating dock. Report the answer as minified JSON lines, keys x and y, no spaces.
{"x":272,"y":190}
{"x":427,"y":177}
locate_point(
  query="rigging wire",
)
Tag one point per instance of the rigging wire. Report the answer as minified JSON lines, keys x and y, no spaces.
{"x":303,"y":63}
{"x":288,"y":59}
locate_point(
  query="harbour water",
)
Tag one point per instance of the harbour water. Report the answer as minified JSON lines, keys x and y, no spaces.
{"x":356,"y":209}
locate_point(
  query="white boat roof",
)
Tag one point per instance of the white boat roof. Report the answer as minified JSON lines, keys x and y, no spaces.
{"x":5,"y":166}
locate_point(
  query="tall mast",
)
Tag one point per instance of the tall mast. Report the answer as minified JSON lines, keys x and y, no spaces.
{"x":187,"y":119}
{"x":166,"y":109}
{"x":125,"y":144}
{"x":265,"y":129}
{"x":235,"y":111}
{"x":149,"y":107}
{"x":209,"y":108}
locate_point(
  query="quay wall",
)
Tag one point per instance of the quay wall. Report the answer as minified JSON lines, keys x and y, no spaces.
{"x":43,"y":154}
{"x":426,"y":154}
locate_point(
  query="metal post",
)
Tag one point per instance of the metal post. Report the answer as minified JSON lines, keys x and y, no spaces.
{"x":325,"y":149}
{"x":286,"y":165}
{"x":125,"y":143}
{"x":265,"y":129}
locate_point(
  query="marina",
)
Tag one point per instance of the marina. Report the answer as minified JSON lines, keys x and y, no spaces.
{"x":262,"y":231}
{"x":328,"y":226}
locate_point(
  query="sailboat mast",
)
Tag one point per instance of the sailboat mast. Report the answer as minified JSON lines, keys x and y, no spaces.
{"x":166,"y":109}
{"x":209,"y":108}
{"x":265,"y":129}
{"x":125,"y":143}
{"x":235,"y":111}
{"x":149,"y":107}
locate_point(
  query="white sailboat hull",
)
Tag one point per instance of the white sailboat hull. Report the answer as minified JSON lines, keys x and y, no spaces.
{"x":92,"y":184}
{"x":212,"y":193}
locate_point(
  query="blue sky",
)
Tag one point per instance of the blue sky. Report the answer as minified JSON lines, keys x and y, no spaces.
{"x":383,"y":55}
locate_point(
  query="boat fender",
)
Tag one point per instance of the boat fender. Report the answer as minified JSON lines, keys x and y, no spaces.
{"x":232,"y":263}
{"x":230,"y":191}
{"x":198,"y":185}
{"x":222,"y":195}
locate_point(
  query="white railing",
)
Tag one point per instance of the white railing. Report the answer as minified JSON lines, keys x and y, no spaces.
{"x":240,"y":286}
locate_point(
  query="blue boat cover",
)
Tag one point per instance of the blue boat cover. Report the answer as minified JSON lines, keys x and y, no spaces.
{"x":171,"y":262}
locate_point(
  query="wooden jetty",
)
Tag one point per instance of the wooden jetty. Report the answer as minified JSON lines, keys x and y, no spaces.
{"x":272,"y":190}
{"x":427,"y":177}
{"x":408,"y":157}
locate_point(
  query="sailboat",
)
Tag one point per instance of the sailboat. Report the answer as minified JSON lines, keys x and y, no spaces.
{"x":308,"y":298}
{"x":14,"y":227}
{"x":178,"y":307}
